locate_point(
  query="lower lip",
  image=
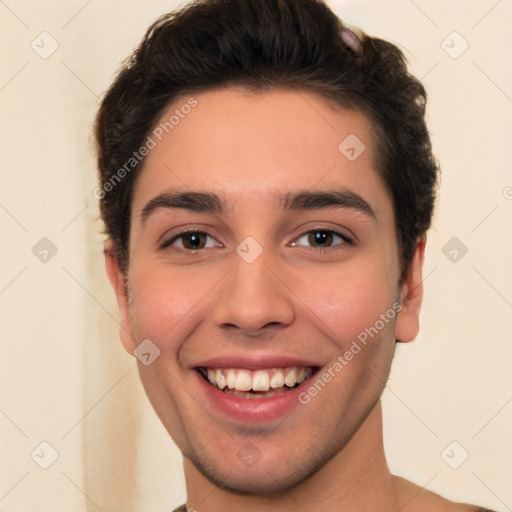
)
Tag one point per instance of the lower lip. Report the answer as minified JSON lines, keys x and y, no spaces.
{"x":251,"y":410}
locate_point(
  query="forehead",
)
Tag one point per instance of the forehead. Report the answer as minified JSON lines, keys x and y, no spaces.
{"x":245,"y":145}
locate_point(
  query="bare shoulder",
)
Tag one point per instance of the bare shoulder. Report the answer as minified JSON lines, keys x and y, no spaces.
{"x":413,"y":498}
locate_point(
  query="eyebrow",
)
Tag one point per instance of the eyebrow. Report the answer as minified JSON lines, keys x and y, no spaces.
{"x":202,"y":202}
{"x":209,"y":202}
{"x":318,"y":199}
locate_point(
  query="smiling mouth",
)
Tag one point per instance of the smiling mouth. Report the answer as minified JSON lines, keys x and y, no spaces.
{"x":262,"y":383}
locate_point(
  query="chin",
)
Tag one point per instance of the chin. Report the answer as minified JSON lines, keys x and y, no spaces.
{"x":265,"y":477}
{"x":252,"y":482}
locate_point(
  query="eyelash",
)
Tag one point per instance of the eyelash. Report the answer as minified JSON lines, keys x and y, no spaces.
{"x":181,"y":234}
{"x":345,"y":240}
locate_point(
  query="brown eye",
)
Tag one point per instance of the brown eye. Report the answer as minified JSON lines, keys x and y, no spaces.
{"x":191,"y":241}
{"x":321,"y":239}
{"x":194,"y":241}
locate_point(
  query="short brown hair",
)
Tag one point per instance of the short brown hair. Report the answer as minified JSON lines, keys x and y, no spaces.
{"x":260,"y":45}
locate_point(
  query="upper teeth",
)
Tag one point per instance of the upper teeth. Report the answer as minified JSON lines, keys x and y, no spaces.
{"x":257,"y":380}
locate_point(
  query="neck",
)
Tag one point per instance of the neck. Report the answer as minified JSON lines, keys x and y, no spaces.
{"x":357,"y":478}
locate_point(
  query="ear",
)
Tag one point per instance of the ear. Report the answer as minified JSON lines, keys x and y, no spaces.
{"x":411,"y":296}
{"x":117,"y":279}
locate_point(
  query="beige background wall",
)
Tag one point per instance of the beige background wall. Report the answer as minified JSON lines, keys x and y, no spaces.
{"x":64,"y":378}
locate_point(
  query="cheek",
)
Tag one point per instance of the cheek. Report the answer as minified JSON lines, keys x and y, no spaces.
{"x":165,"y":304}
{"x":347,"y":301}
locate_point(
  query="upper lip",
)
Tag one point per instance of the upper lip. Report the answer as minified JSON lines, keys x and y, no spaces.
{"x":256,"y":361}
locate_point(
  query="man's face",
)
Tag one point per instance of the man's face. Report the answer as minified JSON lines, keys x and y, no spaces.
{"x":290,"y":258}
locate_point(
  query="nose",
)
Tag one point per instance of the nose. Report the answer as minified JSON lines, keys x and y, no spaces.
{"x":253,"y":298}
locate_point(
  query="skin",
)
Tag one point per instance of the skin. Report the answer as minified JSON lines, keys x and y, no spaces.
{"x":248,"y":148}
